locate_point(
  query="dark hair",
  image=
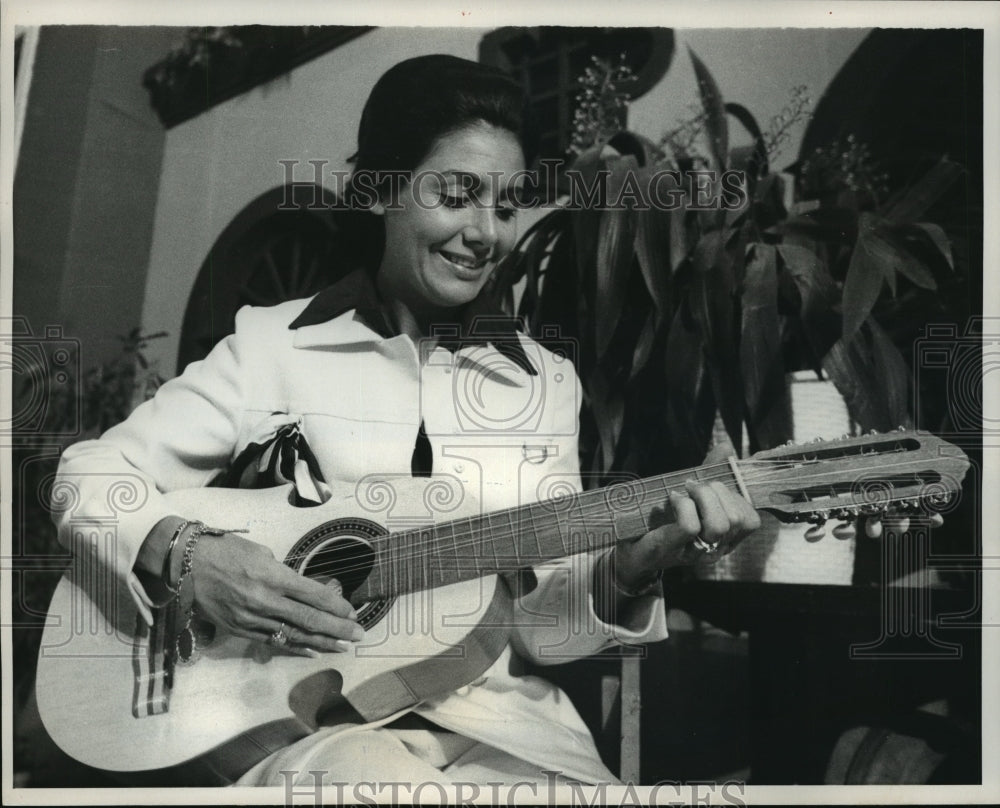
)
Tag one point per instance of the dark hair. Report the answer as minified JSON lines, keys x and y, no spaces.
{"x":414,"y":104}
{"x":420,"y":100}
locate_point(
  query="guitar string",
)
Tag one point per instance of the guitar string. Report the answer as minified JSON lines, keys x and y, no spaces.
{"x":472,"y":537}
{"x":415,"y":548}
{"x":416,"y":551}
{"x":597,"y":505}
{"x":580,"y":510}
{"x":461,"y":540}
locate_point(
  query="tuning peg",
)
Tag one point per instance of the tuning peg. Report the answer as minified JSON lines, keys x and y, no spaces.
{"x":900,"y":428}
{"x":872,"y":431}
{"x":936,"y":520}
{"x":845,"y":531}
{"x":873,"y":529}
{"x":815,"y":533}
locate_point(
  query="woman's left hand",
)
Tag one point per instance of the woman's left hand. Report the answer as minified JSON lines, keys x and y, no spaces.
{"x":709,"y":521}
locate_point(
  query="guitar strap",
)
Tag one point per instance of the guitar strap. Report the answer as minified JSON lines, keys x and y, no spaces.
{"x":404,"y":687}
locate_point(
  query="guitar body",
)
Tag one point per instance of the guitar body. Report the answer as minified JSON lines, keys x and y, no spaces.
{"x":100,"y":666}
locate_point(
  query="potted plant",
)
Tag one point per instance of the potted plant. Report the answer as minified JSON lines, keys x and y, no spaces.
{"x":685,"y":310}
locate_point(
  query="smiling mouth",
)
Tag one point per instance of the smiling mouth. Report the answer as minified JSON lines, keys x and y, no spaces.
{"x":463,"y":261}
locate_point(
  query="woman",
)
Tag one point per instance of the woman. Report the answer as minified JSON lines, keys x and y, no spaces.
{"x":361,"y":377}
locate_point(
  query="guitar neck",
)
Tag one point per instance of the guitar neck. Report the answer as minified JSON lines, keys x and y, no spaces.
{"x":524,"y":536}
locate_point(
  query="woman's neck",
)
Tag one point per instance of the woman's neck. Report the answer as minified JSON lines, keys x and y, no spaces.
{"x":416,"y":320}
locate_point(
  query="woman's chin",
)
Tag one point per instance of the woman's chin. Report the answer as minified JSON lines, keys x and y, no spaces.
{"x":455,"y":291}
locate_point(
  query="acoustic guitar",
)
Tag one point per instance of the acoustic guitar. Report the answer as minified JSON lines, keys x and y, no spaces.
{"x":428,"y":573}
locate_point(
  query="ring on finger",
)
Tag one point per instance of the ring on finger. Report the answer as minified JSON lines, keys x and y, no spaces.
{"x":279,"y":638}
{"x":709,"y":548}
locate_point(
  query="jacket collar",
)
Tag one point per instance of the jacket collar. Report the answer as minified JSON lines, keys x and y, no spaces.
{"x":322,"y":322}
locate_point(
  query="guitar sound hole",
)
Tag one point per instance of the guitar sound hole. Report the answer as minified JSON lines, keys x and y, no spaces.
{"x":349,"y":560}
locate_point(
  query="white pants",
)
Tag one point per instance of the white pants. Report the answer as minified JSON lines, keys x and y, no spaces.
{"x":386,"y":755}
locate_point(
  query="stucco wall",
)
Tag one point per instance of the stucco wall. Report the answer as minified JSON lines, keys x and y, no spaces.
{"x":754,"y":67}
{"x":217,"y":163}
{"x":84,"y":193}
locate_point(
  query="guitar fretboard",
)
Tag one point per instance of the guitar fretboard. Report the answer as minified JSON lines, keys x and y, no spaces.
{"x":526,"y":535}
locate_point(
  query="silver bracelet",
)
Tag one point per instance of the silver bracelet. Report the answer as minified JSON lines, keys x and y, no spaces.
{"x":165,"y":570}
{"x":186,"y":648}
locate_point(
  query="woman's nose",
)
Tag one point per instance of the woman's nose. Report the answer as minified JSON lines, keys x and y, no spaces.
{"x":481,"y":231}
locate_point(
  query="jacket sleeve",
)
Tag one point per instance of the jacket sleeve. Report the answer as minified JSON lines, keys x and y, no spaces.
{"x":179,"y":439}
{"x":554,"y":617}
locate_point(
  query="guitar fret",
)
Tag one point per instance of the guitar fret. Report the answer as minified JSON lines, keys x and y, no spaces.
{"x":535,"y":530}
{"x":453,"y":541}
{"x":491,"y":534}
{"x":515,"y":534}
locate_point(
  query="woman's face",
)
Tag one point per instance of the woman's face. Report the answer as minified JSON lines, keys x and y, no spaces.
{"x":454,"y":221}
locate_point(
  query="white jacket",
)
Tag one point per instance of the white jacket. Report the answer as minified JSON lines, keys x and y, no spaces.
{"x":360,"y":398}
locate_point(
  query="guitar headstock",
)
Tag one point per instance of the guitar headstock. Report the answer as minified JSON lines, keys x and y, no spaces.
{"x":902,"y":471}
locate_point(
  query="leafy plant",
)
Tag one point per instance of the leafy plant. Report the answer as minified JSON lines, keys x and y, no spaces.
{"x":683,"y":310}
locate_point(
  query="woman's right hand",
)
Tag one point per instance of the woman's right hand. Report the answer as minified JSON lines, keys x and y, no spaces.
{"x":242,"y":589}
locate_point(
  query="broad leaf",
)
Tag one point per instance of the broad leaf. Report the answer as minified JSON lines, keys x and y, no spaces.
{"x":865,"y":276}
{"x":716,"y":125}
{"x":896,"y":378}
{"x":608,"y":403}
{"x":768,"y":204}
{"x":871,"y":375}
{"x":642,"y":148}
{"x":679,"y":242}
{"x":937,"y":237}
{"x":652,"y":249}
{"x":904,"y":260}
{"x":614,"y":256}
{"x":643,"y":346}
{"x":712,"y":298}
{"x":915,"y":201}
{"x":589,"y":167}
{"x":895,"y":256}
{"x":754,"y":161}
{"x":690,"y":410}
{"x":527,"y":258}
{"x":820,"y":320}
{"x":760,"y":341}
{"x":831,"y":225}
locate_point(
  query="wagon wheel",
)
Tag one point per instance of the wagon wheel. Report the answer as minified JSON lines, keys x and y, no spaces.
{"x":285,"y":256}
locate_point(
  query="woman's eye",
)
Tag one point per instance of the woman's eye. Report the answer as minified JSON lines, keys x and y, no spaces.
{"x":506,"y":214}
{"x":453,"y":201}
